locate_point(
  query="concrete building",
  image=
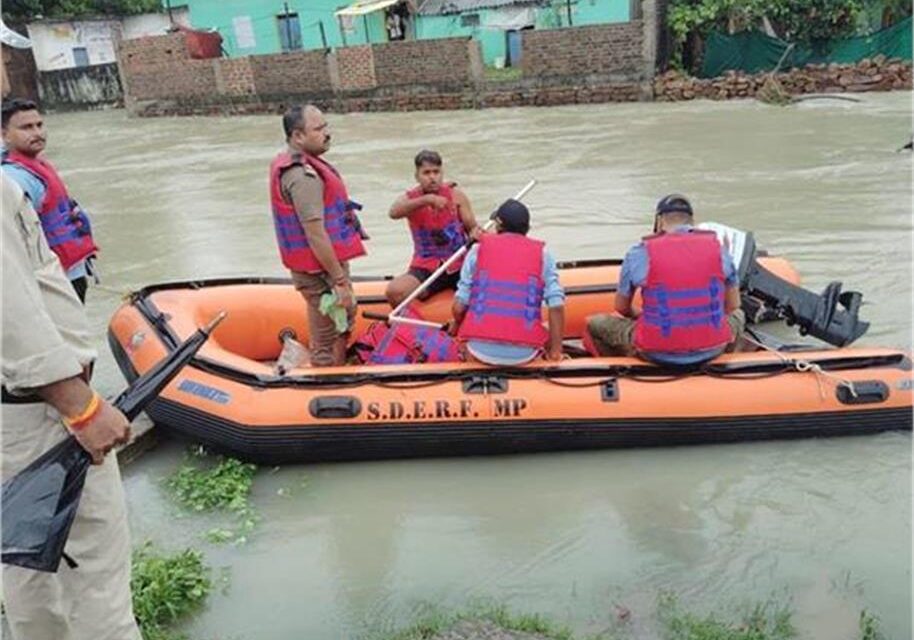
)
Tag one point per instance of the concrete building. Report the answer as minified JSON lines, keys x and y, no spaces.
{"x":67,"y":44}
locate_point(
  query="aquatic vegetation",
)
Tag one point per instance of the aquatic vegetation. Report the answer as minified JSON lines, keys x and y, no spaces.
{"x":482,"y":619}
{"x":165,"y":588}
{"x":223,"y":485}
{"x":769,"y":620}
{"x":869,"y":627}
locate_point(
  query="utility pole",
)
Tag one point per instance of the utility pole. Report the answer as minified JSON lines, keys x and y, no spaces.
{"x":568,"y":11}
{"x":171,"y":18}
{"x":320,"y":23}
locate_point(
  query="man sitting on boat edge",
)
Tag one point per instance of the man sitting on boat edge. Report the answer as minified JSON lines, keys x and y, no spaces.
{"x":441,"y":220}
{"x":504,"y":282}
{"x":690,"y":295}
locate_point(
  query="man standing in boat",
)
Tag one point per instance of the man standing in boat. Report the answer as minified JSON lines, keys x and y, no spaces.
{"x":441,"y":220}
{"x":504,"y":282}
{"x":316,"y":228}
{"x":66,"y":226}
{"x":690,"y":295}
{"x":47,"y":350}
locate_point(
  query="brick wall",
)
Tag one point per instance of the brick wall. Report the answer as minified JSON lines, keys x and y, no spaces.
{"x":355,"y":66}
{"x":234,"y":76}
{"x":139,"y":52}
{"x":298,"y":73}
{"x":612,"y":49}
{"x":193,"y":79}
{"x":443,"y":62}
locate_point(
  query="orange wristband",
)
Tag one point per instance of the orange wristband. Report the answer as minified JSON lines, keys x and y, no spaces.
{"x":88,"y":414}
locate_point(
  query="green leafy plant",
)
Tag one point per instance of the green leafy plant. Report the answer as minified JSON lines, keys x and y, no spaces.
{"x":225,"y":485}
{"x":805,"y":22}
{"x":869,"y":627}
{"x":165,"y":588}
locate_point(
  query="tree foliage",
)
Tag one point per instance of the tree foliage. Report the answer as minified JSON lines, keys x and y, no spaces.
{"x":806,"y":22}
{"x":17,"y":11}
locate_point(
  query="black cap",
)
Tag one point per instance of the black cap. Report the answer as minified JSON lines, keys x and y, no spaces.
{"x":675,"y":202}
{"x":513,"y":216}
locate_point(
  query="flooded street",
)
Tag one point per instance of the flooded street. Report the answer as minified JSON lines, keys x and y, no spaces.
{"x":343,"y":548}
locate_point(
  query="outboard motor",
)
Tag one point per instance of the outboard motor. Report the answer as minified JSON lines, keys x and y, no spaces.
{"x":831,"y":316}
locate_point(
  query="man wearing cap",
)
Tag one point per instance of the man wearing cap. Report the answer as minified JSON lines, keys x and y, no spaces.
{"x":504,"y":282}
{"x":690,"y":295}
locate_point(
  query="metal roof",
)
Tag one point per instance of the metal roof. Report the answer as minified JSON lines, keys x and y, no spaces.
{"x":445,"y":7}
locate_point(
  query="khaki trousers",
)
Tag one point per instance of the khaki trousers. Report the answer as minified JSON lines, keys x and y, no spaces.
{"x":92,"y":601}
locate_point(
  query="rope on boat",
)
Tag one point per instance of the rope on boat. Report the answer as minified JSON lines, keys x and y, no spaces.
{"x":804,"y":366}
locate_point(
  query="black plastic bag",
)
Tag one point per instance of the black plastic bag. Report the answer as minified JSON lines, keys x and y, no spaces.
{"x":39,"y":504}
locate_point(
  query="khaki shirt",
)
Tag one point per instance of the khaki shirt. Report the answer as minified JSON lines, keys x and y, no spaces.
{"x":46,"y":336}
{"x":305,"y":190}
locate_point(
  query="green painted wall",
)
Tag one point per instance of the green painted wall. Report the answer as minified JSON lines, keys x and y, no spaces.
{"x":219,"y":14}
{"x":493,"y":42}
{"x":263,"y":15}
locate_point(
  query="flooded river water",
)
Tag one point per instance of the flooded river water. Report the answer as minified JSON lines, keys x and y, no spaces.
{"x":346,"y":547}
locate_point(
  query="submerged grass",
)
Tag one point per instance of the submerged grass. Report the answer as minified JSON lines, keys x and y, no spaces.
{"x":769,"y":620}
{"x":433,"y":622}
{"x":165,"y":588}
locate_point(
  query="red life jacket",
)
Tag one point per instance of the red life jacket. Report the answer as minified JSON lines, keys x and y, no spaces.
{"x":683,"y":295}
{"x":437,"y":234}
{"x":66,"y":226}
{"x":402,"y":343}
{"x":506,"y":294}
{"x":340,"y":221}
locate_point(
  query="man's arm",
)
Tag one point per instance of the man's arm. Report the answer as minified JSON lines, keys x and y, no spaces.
{"x":732,"y":298}
{"x":467,"y":216}
{"x":632,"y":273}
{"x":554,"y":297}
{"x":462,"y":295}
{"x":404,"y":205}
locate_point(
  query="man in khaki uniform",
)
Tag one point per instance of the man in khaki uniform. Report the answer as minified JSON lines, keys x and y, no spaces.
{"x":46,"y":350}
{"x":316,"y":228}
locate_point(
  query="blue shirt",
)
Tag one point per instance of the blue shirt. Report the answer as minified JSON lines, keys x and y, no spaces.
{"x":633,"y":276}
{"x":35,"y":191}
{"x":499,"y":352}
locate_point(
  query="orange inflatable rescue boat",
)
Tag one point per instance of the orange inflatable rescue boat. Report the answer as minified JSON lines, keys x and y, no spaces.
{"x":229,"y":397}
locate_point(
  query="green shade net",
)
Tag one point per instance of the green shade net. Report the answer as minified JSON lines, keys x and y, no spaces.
{"x":753,"y":51}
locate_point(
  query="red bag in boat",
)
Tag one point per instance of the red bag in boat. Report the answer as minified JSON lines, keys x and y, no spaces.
{"x":402,"y":343}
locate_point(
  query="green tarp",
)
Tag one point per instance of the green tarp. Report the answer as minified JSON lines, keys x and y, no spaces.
{"x":752,"y":51}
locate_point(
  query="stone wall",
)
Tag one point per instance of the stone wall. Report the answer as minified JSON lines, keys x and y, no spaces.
{"x":877,"y":74}
{"x":594,"y":50}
